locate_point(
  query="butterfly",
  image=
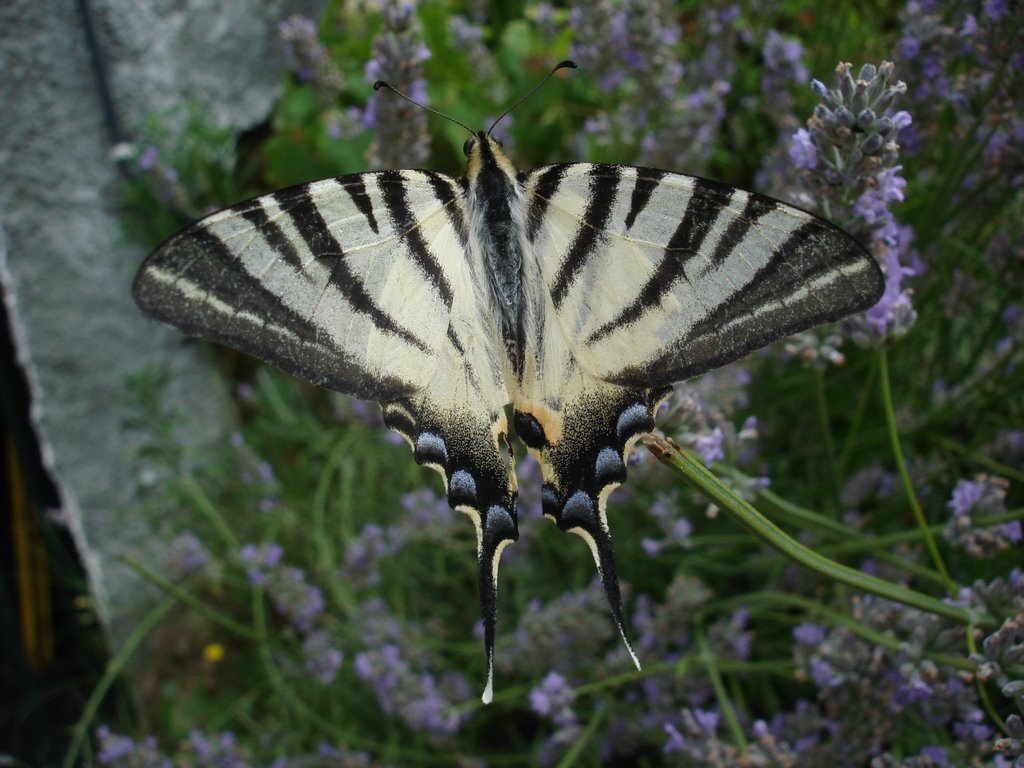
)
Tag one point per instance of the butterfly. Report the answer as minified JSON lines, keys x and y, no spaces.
{"x":578,"y":293}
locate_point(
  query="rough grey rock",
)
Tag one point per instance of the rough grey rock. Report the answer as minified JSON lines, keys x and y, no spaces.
{"x":65,"y":266}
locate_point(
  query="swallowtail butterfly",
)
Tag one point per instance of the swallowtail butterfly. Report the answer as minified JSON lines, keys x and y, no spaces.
{"x":579,"y":293}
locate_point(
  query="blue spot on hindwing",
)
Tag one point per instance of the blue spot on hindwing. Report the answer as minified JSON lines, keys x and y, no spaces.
{"x":608,"y":468}
{"x":499,"y":525}
{"x":461,"y":488}
{"x":549,"y":500}
{"x":578,"y":511}
{"x":430,"y":449}
{"x":634,"y":420}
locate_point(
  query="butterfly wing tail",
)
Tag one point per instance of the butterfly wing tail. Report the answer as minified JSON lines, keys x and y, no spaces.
{"x":498,"y":529}
{"x":583,"y":448}
{"x":581,"y":516}
{"x":470,"y":450}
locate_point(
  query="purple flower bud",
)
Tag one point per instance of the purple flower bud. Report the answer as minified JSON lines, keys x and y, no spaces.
{"x":710,"y":446}
{"x":148,"y":158}
{"x":802,"y":151}
{"x":810,"y":635}
{"x":966,"y":494}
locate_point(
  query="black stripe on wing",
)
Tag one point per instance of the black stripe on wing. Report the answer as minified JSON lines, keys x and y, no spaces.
{"x":647,"y":180}
{"x":357,"y":191}
{"x":392,"y":186}
{"x":446,"y":195}
{"x":769,"y":306}
{"x":324,"y":246}
{"x":756,"y":207}
{"x":545,"y":188}
{"x":707,"y":202}
{"x":604,"y":188}
{"x":278,"y":241}
{"x":197,"y":284}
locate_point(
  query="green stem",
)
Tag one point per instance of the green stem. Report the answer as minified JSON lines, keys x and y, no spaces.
{"x":724,"y":703}
{"x":894,"y":538}
{"x":697,"y":475}
{"x":908,"y":486}
{"x":117,"y":664}
{"x":184,"y":596}
{"x":570,"y":757}
{"x":680,"y":667}
{"x":209,"y":510}
{"x":858,"y":418}
{"x":821,"y":401}
{"x":978,"y":458}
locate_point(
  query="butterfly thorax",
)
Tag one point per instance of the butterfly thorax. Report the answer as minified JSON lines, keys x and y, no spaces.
{"x":498,"y":227}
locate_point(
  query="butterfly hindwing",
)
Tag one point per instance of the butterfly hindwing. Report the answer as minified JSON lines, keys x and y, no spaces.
{"x":582,"y":436}
{"x":656,"y":277}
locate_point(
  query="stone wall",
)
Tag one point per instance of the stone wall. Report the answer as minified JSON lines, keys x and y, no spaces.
{"x":65,"y":265}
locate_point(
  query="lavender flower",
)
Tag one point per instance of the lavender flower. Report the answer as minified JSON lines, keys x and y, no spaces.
{"x":811,"y":635}
{"x":854,"y":176}
{"x":187,"y":556}
{"x":400,"y":129}
{"x":396,"y":665}
{"x":694,"y":739}
{"x":294,"y":598}
{"x":553,"y":699}
{"x":709,"y":446}
{"x":220,"y":752}
{"x":675,"y":527}
{"x":323,"y":660}
{"x":309,"y":60}
{"x":883,"y":685}
{"x":1012,"y":745}
{"x":256,"y":472}
{"x":371,"y":544}
{"x":163,"y":179}
{"x":301,"y":603}
{"x":260,"y":559}
{"x":123,"y":752}
{"x":983,"y":496}
{"x":783,"y":66}
{"x":417,"y":697}
{"x":854,"y":132}
{"x":698,"y":415}
{"x":816,"y":349}
{"x":613,"y":42}
{"x":556,"y":636}
{"x":802,"y":151}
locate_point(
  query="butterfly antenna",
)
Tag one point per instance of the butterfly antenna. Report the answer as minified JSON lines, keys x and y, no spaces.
{"x":561,"y":65}
{"x":384,"y":84}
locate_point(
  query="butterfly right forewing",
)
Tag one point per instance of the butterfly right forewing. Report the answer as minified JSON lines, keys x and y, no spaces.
{"x":657,"y":277}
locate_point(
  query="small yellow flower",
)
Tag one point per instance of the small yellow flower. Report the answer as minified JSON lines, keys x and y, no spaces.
{"x":213,"y":652}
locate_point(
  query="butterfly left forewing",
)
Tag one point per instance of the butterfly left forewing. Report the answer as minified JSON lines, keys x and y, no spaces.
{"x":332,"y":281}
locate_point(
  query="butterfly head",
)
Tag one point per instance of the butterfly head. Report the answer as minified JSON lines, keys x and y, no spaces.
{"x":485,"y":155}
